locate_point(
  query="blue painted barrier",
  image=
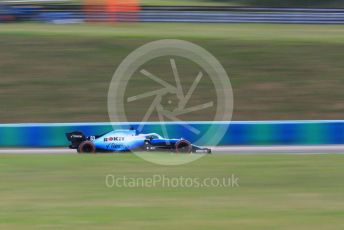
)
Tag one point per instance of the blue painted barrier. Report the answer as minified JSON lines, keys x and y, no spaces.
{"x":238,"y":133}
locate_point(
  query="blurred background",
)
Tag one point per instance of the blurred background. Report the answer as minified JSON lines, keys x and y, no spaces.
{"x":285,"y":62}
{"x":284,"y":58}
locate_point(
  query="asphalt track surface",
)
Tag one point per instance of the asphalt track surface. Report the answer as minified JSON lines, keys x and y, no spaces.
{"x":301,"y":149}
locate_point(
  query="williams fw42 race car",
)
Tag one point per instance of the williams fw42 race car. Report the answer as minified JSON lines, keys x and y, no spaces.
{"x":129,"y":140}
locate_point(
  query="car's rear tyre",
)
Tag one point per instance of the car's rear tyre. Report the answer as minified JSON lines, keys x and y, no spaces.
{"x":87,"y":147}
{"x":183,"y":146}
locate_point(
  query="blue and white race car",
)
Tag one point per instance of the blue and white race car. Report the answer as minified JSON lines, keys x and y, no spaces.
{"x":129,"y":140}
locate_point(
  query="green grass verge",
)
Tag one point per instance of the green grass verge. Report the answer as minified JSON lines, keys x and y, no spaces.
{"x":61,"y":73}
{"x":69,"y":192}
{"x":230,"y":32}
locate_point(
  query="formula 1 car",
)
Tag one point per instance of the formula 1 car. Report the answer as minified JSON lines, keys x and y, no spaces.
{"x":129,"y":140}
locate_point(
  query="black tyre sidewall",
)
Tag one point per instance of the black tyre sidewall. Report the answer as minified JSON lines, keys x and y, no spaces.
{"x":86,"y":144}
{"x":181,"y":142}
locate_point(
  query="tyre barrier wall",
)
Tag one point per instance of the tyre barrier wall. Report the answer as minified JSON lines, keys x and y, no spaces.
{"x":62,"y":14}
{"x":238,"y":133}
{"x":199,"y":17}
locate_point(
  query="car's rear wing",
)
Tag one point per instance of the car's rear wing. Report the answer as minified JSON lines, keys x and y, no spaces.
{"x":76,"y":138}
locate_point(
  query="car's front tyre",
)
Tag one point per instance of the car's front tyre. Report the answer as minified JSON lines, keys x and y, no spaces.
{"x":183,"y":146}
